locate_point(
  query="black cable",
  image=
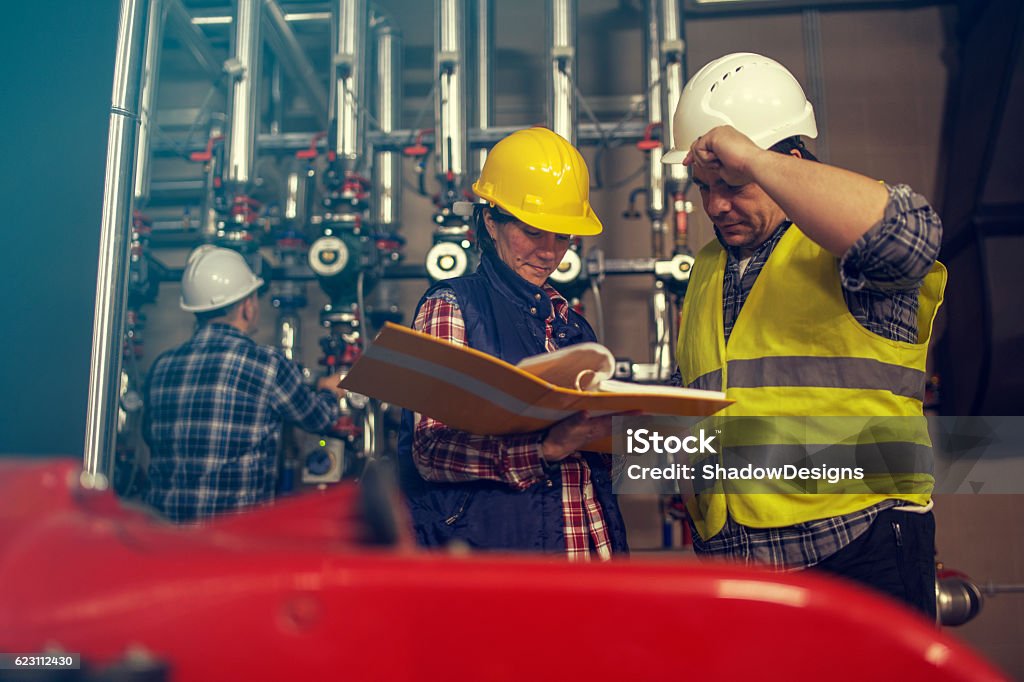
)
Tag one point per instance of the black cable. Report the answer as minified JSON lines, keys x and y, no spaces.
{"x":607,"y":138}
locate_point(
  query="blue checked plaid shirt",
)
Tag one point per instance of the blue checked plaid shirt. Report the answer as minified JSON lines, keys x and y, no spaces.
{"x":214,"y":411}
{"x":881,"y":275}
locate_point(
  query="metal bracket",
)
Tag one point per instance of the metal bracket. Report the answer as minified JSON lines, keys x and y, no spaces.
{"x":234,"y":69}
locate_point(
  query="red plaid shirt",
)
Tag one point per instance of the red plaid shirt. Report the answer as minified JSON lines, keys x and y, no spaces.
{"x":447,"y":455}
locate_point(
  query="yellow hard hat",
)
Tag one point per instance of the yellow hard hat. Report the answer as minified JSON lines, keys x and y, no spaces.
{"x":541,"y":179}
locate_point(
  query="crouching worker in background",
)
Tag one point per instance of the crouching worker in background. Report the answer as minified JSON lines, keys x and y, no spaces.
{"x":215,"y":405}
{"x":531,"y":491}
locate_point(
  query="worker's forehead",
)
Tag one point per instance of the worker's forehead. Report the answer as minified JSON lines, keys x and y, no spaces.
{"x":707,"y":176}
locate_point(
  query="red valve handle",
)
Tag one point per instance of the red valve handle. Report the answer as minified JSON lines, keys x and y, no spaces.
{"x":418,"y":148}
{"x":648,"y":143}
{"x":311,"y":151}
{"x":206,"y":154}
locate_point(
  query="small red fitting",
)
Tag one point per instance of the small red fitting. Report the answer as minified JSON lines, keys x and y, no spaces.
{"x":311,"y":151}
{"x":206,"y":154}
{"x":648,"y":142}
{"x":418,"y":148}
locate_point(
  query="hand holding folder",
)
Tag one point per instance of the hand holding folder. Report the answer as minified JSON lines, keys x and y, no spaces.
{"x":476,"y":392}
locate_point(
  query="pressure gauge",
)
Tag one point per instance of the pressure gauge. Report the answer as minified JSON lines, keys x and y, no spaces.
{"x":328,"y":256}
{"x":569,"y":269}
{"x":446,"y":260}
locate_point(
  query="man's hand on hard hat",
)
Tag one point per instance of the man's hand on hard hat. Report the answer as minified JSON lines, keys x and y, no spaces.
{"x":572,"y":434}
{"x":833,"y":206}
{"x":727,"y":152}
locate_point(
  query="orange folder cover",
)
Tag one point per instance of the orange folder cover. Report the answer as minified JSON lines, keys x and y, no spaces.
{"x":475,"y":392}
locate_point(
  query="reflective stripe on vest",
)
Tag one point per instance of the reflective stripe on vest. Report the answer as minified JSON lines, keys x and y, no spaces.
{"x":817,"y":372}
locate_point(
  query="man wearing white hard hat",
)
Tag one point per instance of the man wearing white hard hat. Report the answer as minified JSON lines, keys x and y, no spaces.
{"x":813,"y":306}
{"x":215,"y":405}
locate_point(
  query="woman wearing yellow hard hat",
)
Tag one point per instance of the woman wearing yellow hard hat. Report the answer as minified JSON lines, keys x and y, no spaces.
{"x":532,"y":491}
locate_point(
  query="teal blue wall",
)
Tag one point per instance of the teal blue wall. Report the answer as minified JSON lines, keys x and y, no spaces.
{"x":56,"y":71}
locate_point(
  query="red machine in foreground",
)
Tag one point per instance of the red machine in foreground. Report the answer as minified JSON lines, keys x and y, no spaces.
{"x":298,"y":591}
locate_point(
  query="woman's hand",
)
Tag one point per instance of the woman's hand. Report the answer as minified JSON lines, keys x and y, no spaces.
{"x":569,"y":435}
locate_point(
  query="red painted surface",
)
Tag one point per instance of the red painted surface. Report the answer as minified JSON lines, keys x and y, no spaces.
{"x":289,"y":593}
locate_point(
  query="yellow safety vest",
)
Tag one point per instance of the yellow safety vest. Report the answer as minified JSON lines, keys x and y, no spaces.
{"x":796,"y":351}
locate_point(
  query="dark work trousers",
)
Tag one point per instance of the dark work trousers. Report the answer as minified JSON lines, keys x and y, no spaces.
{"x":896,"y":555}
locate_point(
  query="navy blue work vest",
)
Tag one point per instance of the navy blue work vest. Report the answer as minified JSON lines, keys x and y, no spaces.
{"x":504,"y":316}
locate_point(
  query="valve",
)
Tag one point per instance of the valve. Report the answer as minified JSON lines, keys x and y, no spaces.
{"x":206,"y":154}
{"x":649,"y":142}
{"x":312,"y":151}
{"x":418,"y":148}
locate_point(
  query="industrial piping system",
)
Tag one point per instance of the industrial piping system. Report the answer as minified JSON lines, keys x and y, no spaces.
{"x":358,"y":251}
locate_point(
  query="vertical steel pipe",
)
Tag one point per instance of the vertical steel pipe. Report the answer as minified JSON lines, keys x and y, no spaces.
{"x":276,"y":97}
{"x":655,"y":116}
{"x":673,"y":57}
{"x":296,"y":199}
{"x":662,"y":339}
{"x":450,"y":139}
{"x":483,"y":99}
{"x":147,"y":99}
{"x":115,"y":238}
{"x":561,"y":88}
{"x":654,"y":74}
{"x":244,"y":67}
{"x":289,"y":334}
{"x":293,"y":58}
{"x":348,"y":79}
{"x":387,"y":166}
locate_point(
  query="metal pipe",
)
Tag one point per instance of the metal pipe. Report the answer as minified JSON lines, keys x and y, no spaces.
{"x":348,"y":79}
{"x":655,"y":115}
{"x":180,"y":22}
{"x":561,"y":90}
{"x":298,"y":199}
{"x":147,"y":99}
{"x":483,"y":22}
{"x":244,"y":67}
{"x":290,"y":54}
{"x":587,"y":134}
{"x":276,"y":98}
{"x":450,"y":143}
{"x":289,"y":328}
{"x":673,"y":57}
{"x":115,"y":232}
{"x":661,"y":344}
{"x":387,"y":166}
{"x":290,"y":17}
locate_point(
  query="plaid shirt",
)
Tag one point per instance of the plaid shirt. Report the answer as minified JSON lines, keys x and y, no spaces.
{"x":881,"y":275}
{"x":447,"y":455}
{"x":214,"y":411}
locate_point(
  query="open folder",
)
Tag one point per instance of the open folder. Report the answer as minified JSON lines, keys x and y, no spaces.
{"x":472,"y":391}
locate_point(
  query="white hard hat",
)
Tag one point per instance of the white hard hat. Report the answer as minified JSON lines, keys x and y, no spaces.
{"x":754,"y":94}
{"x":214,"y":278}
